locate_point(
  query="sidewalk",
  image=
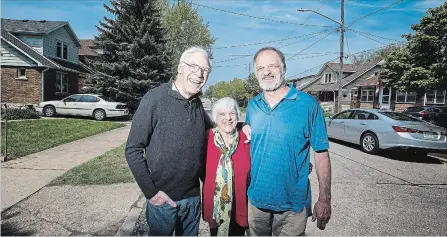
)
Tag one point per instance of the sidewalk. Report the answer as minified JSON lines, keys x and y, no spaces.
{"x":22,"y":177}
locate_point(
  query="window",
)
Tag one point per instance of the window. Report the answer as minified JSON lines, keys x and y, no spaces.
{"x":363,"y":115}
{"x":327,"y":78}
{"x":435,"y":97}
{"x":406,"y":97}
{"x":61,"y":82}
{"x":61,"y":50}
{"x":386,"y":96}
{"x":343,"y":115}
{"x":89,"y":99}
{"x":400,"y":116}
{"x":72,"y":98}
{"x":21,"y":73}
{"x":367,"y":94}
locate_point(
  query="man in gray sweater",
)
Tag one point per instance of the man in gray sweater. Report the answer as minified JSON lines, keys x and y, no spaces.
{"x":166,"y":144}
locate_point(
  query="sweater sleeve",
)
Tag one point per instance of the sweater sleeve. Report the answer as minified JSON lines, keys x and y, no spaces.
{"x":139,"y":138}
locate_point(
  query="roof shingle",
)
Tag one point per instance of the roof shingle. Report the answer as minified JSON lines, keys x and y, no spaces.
{"x":30,"y":26}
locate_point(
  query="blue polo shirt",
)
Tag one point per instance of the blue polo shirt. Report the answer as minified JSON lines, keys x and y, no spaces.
{"x":281,"y":138}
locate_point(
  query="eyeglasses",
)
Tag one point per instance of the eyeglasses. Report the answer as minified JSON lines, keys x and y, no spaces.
{"x":195,"y":68}
{"x":271,"y":67}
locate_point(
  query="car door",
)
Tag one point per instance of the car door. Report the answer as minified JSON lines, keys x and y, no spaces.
{"x":336,"y":125}
{"x":68,"y":105}
{"x":86,"y":105}
{"x":360,"y":122}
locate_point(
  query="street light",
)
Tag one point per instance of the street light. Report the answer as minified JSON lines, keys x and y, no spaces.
{"x":310,"y":10}
{"x":342,"y":30}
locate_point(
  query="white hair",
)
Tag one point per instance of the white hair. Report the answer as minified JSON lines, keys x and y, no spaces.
{"x":225,"y":104}
{"x":192,"y":50}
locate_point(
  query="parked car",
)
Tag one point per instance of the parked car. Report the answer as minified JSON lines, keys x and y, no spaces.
{"x":376,"y":129}
{"x":433,"y":114}
{"x":95,"y":106}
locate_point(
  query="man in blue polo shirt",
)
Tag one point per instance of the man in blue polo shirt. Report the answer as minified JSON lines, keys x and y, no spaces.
{"x":285,"y":123}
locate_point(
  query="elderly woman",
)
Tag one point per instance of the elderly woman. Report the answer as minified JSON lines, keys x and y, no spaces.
{"x":227,"y":172}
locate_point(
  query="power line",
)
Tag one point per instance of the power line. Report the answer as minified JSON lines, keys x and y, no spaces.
{"x":271,"y":41}
{"x":308,"y":70}
{"x":360,"y":52}
{"x":369,"y":38}
{"x":320,"y":33}
{"x":347,"y":43}
{"x":315,"y":56}
{"x":255,"y":17}
{"x":366,"y":33}
{"x":233,"y":59}
{"x":312,"y":44}
{"x":314,"y":35}
{"x":372,"y":13}
{"x":304,"y":22}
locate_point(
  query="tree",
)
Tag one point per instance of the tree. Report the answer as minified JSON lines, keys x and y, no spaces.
{"x":238,"y":92}
{"x":252,"y":86}
{"x":373,"y":56}
{"x":425,"y":57}
{"x":135,"y":58}
{"x":184,"y":28}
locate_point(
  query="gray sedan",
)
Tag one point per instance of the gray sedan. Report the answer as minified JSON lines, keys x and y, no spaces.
{"x":375,"y":129}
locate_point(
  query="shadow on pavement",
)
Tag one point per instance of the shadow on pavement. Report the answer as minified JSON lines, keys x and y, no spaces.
{"x":12,"y":228}
{"x":406,"y":156}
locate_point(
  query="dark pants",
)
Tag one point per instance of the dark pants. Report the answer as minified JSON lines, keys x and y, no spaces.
{"x":163,"y":220}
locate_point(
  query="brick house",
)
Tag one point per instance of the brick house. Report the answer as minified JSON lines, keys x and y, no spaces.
{"x":362,"y":87}
{"x":40,"y":61}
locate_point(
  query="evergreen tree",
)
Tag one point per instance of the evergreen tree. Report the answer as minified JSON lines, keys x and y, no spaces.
{"x":252,"y":86}
{"x":134,"y":58}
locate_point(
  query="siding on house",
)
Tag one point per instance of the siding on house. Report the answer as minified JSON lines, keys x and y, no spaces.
{"x":18,"y":90}
{"x":60,"y":35}
{"x":13,"y":57}
{"x":35,"y":41}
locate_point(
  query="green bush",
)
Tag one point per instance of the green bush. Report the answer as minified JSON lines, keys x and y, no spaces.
{"x":16,"y":114}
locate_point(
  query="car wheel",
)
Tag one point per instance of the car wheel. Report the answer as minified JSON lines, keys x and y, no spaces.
{"x":99,"y":114}
{"x":49,"y":111}
{"x":370,"y":143}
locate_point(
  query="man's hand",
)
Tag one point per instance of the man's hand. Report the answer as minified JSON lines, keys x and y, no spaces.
{"x":161,"y":198}
{"x":322,"y":213}
{"x":247,"y":130}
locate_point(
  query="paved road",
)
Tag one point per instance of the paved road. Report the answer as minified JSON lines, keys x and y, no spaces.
{"x":392,"y":194}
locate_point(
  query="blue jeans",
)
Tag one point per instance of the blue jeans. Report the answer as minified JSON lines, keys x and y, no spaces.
{"x":162,"y":220}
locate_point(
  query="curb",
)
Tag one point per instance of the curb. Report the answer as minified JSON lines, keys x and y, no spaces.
{"x":129,"y":223}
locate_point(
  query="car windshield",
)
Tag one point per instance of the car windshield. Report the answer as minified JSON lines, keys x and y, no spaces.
{"x":399,"y":116}
{"x":108,"y":99}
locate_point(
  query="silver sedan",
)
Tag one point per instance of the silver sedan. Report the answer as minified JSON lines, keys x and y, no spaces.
{"x":374,"y":130}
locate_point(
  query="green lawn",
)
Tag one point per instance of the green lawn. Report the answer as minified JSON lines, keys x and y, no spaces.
{"x":105,"y":169}
{"x":27,"y":137}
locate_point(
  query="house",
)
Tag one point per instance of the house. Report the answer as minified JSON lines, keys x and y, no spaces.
{"x":362,"y":87}
{"x":88,"y":52}
{"x":39,"y":61}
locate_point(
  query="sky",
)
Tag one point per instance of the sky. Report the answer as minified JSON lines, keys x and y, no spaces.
{"x":306,"y":49}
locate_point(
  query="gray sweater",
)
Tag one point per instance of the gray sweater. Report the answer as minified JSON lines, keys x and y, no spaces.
{"x":165,"y":147}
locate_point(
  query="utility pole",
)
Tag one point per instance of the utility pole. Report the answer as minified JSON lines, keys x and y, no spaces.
{"x":342,"y":42}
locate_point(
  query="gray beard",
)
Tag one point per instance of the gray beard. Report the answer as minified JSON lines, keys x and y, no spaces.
{"x":273,"y":87}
